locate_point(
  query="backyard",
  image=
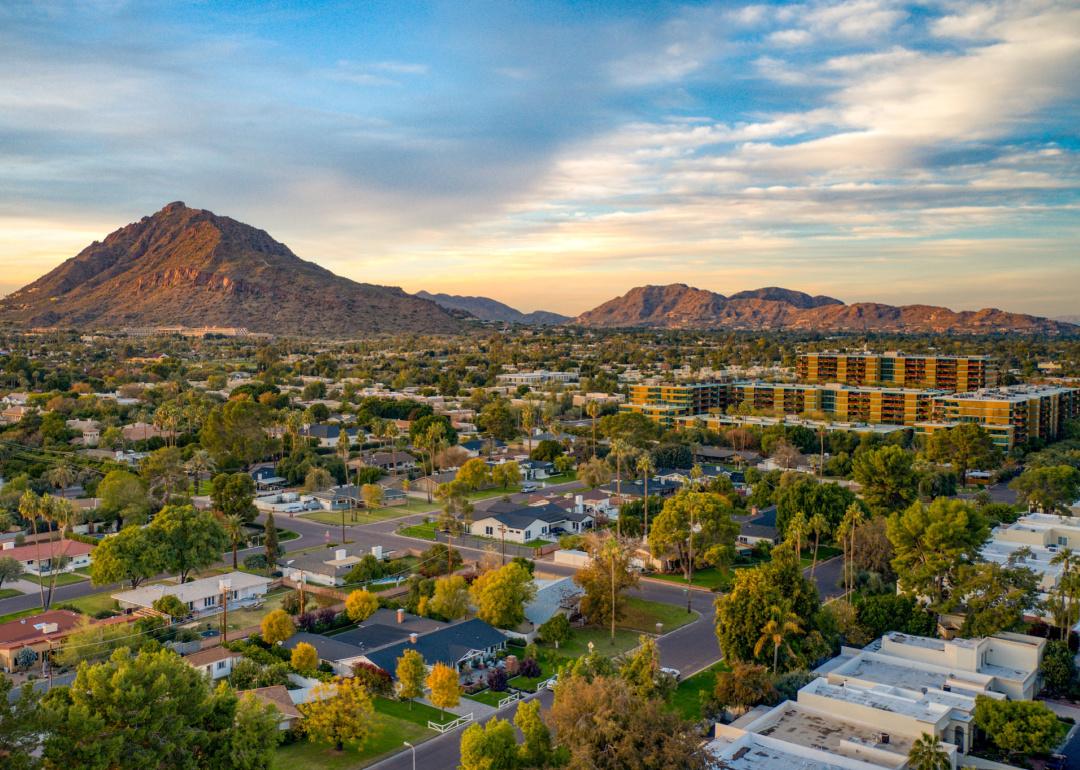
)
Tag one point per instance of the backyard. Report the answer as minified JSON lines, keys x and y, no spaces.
{"x":687,"y":699}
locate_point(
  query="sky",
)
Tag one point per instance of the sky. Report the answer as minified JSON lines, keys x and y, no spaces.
{"x":553,"y":155}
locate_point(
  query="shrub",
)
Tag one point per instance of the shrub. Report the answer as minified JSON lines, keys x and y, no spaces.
{"x":496,"y":680}
{"x":377,"y":681}
{"x":530,"y":668}
{"x":291,"y":603}
{"x":307,"y":622}
{"x":171,"y":606}
{"x":324,"y":618}
{"x":256,"y":561}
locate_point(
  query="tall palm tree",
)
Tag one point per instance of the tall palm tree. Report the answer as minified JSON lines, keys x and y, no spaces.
{"x":234,"y":528}
{"x":30,"y":509}
{"x":619,"y":448}
{"x":592,"y":408}
{"x":849,"y":525}
{"x":928,"y":753}
{"x":797,"y":529}
{"x":783,"y":624}
{"x":645,"y":468}
{"x":1066,"y":557}
{"x":818,"y":526}
{"x":60,"y":513}
{"x":61,"y":476}
{"x":198,"y":464}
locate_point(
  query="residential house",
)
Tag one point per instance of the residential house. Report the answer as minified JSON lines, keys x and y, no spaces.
{"x":266,"y":477}
{"x":89,"y":431}
{"x":46,"y":557}
{"x":536,"y":470}
{"x":42,"y":632}
{"x":339,"y":498}
{"x":523,"y":523}
{"x":340,"y":655}
{"x":326,"y":568}
{"x":327,"y":434}
{"x":203,"y":597}
{"x":756,"y":527}
{"x":144,"y":431}
{"x":277,"y":696}
{"x":482,"y":446}
{"x":388,"y":462}
{"x":459,"y":646}
{"x":215,"y":662}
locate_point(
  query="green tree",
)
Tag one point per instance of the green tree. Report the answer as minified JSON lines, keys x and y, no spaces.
{"x":20,"y":726}
{"x":497,"y":421}
{"x":887,"y":477}
{"x":927,"y":753}
{"x":254,"y":737}
{"x":993,"y":597}
{"x":708,"y":516}
{"x":536,"y":750}
{"x":782,"y":624}
{"x":187,"y":539}
{"x":1058,"y":669}
{"x":11,"y":569}
{"x":931,"y":542}
{"x":1019,"y":727}
{"x":171,"y":606}
{"x":641,"y":670}
{"x":1049,"y":488}
{"x":500,"y":596}
{"x":594,"y":473}
{"x":745,"y":686}
{"x":605,"y":579}
{"x":270,"y":542}
{"x":234,"y":530}
{"x":123,"y":497}
{"x":233,"y":494}
{"x":556,"y":630}
{"x":163,"y":471}
{"x":506,"y":475}
{"x":489,"y":746}
{"x":236,"y":430}
{"x":966,"y":447}
{"x":451,"y":597}
{"x":410,"y":674}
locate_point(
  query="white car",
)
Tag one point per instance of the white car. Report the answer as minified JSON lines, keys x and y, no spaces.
{"x":672,"y":672}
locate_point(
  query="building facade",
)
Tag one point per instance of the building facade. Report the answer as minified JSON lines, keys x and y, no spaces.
{"x":953,"y":373}
{"x":1012,"y":415}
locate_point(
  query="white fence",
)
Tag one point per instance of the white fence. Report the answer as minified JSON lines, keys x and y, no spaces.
{"x":445,"y":728}
{"x":516,"y":696}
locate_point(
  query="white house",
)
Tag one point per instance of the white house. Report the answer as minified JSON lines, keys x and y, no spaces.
{"x":215,"y":662}
{"x":202,"y":597}
{"x":47,"y":556}
{"x":520,"y":524}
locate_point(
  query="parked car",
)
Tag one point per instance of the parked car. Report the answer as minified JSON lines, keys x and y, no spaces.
{"x":529,"y":487}
{"x":1057,"y":762}
{"x":672,"y":672}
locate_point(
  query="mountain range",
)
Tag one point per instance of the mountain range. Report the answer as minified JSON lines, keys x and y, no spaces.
{"x":678,"y":306}
{"x":487,"y":309}
{"x":192,"y":267}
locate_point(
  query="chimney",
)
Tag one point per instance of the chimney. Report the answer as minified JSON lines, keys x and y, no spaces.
{"x":340,"y":554}
{"x":9,"y":545}
{"x":579,"y":504}
{"x":400,"y":615}
{"x":412,"y":638}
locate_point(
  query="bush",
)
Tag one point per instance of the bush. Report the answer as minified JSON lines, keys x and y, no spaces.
{"x":529,"y":668}
{"x":496,"y":680}
{"x":307,"y":622}
{"x":291,"y":603}
{"x":377,"y":681}
{"x":256,"y":561}
{"x":325,"y":619}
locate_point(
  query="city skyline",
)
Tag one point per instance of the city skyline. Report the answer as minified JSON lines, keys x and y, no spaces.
{"x":553,"y":156}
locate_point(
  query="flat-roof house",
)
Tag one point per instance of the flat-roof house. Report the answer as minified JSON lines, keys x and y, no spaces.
{"x":45,"y":557}
{"x":327,"y":568}
{"x":202,"y":597}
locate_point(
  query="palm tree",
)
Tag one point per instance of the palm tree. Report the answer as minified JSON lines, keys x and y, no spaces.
{"x":30,"y":506}
{"x":198,"y":464}
{"x":818,"y":526}
{"x":234,"y":528}
{"x":928,"y":753}
{"x":59,"y":512}
{"x":781,"y":625}
{"x":593,"y":410}
{"x":696,"y":475}
{"x":853,"y":519}
{"x":797,"y":529}
{"x":619,"y":448}
{"x":61,"y":476}
{"x":528,"y":421}
{"x":645,"y":468}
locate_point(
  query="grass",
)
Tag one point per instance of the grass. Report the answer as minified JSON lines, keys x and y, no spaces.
{"x":387,"y":737}
{"x":537,"y":543}
{"x":687,"y":697}
{"x":643,"y":615}
{"x":560,"y":478}
{"x":246,"y":618}
{"x":422,"y":531}
{"x":19,"y":614}
{"x":416,"y":712}
{"x":92,"y":604}
{"x":528,"y":683}
{"x":625,"y":640}
{"x":364,"y":516}
{"x":63,"y":579}
{"x":7,"y":593}
{"x":490,"y":697}
{"x":486,"y":494}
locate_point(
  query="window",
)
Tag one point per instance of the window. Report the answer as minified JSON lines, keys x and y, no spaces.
{"x":528,"y":535}
{"x":489,"y":530}
{"x":1063,"y":540}
{"x":220,"y":665}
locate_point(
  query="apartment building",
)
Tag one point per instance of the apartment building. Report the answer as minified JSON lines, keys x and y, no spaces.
{"x":1012,"y":415}
{"x":666,"y":401}
{"x":952,"y":373}
{"x":873,"y":704}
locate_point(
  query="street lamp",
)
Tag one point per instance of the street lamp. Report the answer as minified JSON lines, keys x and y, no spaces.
{"x":413,"y":748}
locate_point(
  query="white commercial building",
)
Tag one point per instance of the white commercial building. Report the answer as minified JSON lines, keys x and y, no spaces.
{"x":874,"y":703}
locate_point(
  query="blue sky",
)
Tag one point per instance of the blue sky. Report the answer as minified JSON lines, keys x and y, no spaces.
{"x":554,"y":155}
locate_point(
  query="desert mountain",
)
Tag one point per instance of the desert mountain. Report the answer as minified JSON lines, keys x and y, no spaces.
{"x":487,"y":309}
{"x":192,"y":267}
{"x":678,"y":306}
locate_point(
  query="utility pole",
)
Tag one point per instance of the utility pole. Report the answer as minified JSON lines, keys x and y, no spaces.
{"x":502,"y":531}
{"x":302,"y":576}
{"x":690,"y":563}
{"x":224,"y":586}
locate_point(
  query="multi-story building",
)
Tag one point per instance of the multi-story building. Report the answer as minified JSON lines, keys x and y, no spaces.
{"x":874,"y":703}
{"x":952,"y":373}
{"x":665,"y":401}
{"x":1012,"y":415}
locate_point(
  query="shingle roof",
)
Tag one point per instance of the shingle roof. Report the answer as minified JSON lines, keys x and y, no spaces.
{"x":448,"y":645}
{"x":328,"y":648}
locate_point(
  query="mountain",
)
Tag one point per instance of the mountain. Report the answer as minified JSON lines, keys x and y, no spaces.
{"x":487,"y":309}
{"x":195,"y":268}
{"x":1069,"y":319}
{"x":678,"y":306}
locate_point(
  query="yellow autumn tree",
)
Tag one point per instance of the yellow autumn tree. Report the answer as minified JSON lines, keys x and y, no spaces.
{"x":338,"y":712}
{"x":277,"y":626}
{"x":305,"y":658}
{"x":444,"y":686}
{"x":361,"y":605}
{"x":410,"y":675}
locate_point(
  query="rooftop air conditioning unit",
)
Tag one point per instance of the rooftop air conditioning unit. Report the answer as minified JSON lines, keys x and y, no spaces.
{"x":885,"y":738}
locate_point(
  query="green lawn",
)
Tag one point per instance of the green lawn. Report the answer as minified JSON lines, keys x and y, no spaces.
{"x":687,"y":697}
{"x":643,"y":615}
{"x":19,"y":614}
{"x":239,"y":619}
{"x":422,"y":531}
{"x":560,"y":478}
{"x":63,"y":579}
{"x":529,"y":683}
{"x":711,"y":578}
{"x":535,"y":543}
{"x":387,"y":737}
{"x":364,"y":516}
{"x":578,"y":645}
{"x":486,"y":494}
{"x":7,"y":593}
{"x":410,"y":711}
{"x":91,"y":604}
{"x":490,"y":697}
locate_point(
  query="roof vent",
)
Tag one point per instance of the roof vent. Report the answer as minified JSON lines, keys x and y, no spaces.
{"x":340,"y":554}
{"x":885,"y":738}
{"x":412,"y":638}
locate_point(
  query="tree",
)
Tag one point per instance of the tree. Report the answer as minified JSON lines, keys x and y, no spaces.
{"x":782,"y":624}
{"x":602,"y":724}
{"x":237,"y":430}
{"x":338,"y":712}
{"x":410,"y":674}
{"x":489,"y":746}
{"x":887,"y":477}
{"x":993,"y":597}
{"x":931,"y":542}
{"x":645,"y":467}
{"x":1049,"y":489}
{"x":927,"y":753}
{"x":171,"y":605}
{"x":270,"y":542}
{"x":317,"y":479}
{"x":304,"y":658}
{"x":372,"y":495}
{"x":500,"y":596}
{"x":745,"y":686}
{"x":451,"y":597}
{"x":233,"y":494}
{"x":506,"y":475}
{"x":555,"y":630}
{"x":473,"y":475}
{"x":20,"y":725}
{"x":965,"y":447}
{"x":255,"y":736}
{"x":594,"y":473}
{"x":11,"y":569}
{"x":123,"y":497}
{"x":536,"y":750}
{"x":187,"y":539}
{"x":444,"y":686}
{"x":708,"y":516}
{"x":131,"y":555}
{"x":642,"y":671}
{"x":163,"y":471}
{"x":605,"y":578}
{"x":132,"y":712}
{"x":1058,"y":669}
{"x":277,"y":626}
{"x":1018,"y":726}
{"x":234,"y":530}
{"x":846,"y":533}
{"x":497,"y":421}
{"x":361,"y":605}
{"x":817,"y":526}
